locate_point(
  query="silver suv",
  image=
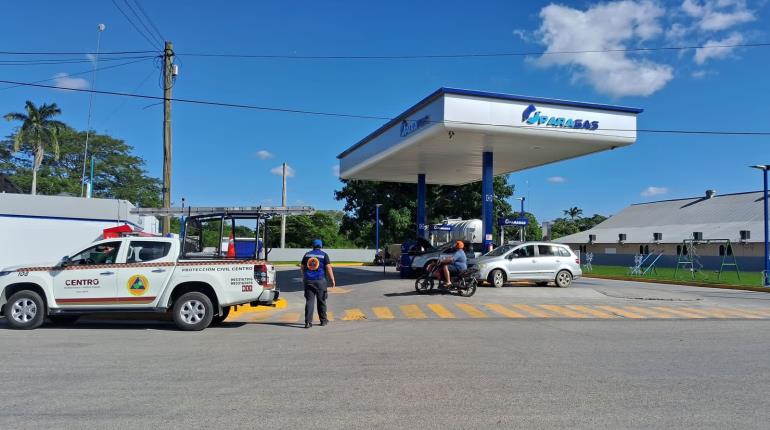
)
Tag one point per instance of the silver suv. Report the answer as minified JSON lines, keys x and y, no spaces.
{"x":540,"y":262}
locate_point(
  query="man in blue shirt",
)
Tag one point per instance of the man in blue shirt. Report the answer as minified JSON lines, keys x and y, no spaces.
{"x":315,"y":268}
{"x":455,"y":264}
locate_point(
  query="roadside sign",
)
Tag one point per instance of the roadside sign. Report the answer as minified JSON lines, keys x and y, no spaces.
{"x":519,"y":222}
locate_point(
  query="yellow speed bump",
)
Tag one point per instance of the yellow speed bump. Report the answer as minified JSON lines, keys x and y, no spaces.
{"x":241,"y":310}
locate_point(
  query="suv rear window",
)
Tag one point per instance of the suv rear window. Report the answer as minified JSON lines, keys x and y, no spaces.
{"x":562,"y":252}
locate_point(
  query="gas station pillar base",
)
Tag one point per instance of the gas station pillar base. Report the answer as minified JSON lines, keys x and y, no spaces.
{"x":487,"y":192}
{"x":421,"y":192}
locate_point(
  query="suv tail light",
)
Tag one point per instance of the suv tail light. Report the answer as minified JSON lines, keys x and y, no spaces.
{"x":260,"y":274}
{"x":577,"y":261}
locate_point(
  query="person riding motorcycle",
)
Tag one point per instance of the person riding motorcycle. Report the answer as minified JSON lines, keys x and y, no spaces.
{"x":455,"y":264}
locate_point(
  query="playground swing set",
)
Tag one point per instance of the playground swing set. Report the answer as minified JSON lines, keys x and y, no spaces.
{"x":688,"y":258}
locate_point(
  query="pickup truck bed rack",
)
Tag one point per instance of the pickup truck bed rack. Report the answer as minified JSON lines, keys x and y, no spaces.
{"x":245,"y":211}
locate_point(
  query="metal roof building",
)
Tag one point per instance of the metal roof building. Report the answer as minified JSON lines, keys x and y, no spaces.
{"x":717,"y":217}
{"x":632,"y":230}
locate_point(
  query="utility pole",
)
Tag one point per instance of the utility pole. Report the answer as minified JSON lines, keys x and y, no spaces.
{"x":168,"y":78}
{"x":283,"y":203}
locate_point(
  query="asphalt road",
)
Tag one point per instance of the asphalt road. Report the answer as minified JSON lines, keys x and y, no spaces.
{"x":404,"y":373}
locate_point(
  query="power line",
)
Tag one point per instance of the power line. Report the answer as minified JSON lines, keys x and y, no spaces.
{"x":84,"y":72}
{"x":149,"y":20}
{"x":141,"y":21}
{"x":469,"y":55}
{"x":397,"y":57}
{"x":57,"y":61}
{"x":75,"y":53}
{"x":133,"y":25}
{"x":374,"y":117}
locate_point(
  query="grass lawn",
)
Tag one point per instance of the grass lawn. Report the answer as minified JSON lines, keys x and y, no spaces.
{"x":753,"y":279}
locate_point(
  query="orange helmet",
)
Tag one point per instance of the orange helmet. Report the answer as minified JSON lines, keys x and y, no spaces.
{"x":459,"y":244}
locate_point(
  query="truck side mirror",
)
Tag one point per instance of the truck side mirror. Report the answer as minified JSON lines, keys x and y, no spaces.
{"x":64,"y":262}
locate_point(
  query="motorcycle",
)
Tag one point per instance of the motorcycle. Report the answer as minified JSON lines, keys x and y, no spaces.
{"x":463,"y":284}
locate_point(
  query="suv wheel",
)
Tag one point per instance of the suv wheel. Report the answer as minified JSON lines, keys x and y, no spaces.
{"x":25,"y":310}
{"x":563,"y":279}
{"x":497,"y":278}
{"x":193,"y":311}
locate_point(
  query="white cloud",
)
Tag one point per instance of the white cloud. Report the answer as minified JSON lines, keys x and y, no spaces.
{"x":336,"y":170}
{"x":278,"y":170}
{"x":264,"y":155}
{"x":701,"y":74}
{"x":64,"y":81}
{"x":654,"y":191}
{"x":557,"y":179}
{"x":703,"y":54}
{"x":605,"y":26}
{"x":716,"y":15}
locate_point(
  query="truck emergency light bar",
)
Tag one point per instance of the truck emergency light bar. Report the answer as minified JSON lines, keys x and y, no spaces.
{"x":256,"y":211}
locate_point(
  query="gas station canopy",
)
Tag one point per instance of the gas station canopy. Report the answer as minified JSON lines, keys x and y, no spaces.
{"x":454,"y":137}
{"x":444,"y":135}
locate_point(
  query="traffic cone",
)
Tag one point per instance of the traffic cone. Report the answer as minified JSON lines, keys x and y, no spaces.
{"x":231,"y":246}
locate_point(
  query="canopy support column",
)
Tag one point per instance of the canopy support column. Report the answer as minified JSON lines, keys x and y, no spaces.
{"x":421,"y":192}
{"x":488,"y":196}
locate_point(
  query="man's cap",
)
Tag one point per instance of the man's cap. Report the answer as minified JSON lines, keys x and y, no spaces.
{"x":317,"y":243}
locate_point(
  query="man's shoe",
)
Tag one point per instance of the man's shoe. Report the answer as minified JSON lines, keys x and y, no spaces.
{"x":323,"y":323}
{"x":308,"y":325}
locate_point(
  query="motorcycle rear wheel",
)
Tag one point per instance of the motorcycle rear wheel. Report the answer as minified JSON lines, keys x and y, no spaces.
{"x":469,"y":289}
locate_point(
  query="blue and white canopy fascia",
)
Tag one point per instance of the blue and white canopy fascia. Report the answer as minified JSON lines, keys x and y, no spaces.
{"x":444,"y":135}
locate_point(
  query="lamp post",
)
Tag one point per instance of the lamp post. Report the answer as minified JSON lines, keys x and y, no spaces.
{"x":377,"y":235}
{"x":521,"y":215}
{"x":764,"y":168}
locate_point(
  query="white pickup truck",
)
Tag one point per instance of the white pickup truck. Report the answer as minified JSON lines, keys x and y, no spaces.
{"x":135,"y":274}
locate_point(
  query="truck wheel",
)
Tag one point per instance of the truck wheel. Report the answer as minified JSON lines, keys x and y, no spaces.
{"x":219,"y":319}
{"x":25,"y":310}
{"x":193,"y":311}
{"x":497,"y":278}
{"x":63,"y":319}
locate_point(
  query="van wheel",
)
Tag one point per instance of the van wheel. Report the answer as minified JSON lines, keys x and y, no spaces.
{"x":497,"y":278}
{"x":193,"y":311}
{"x":25,"y":310}
{"x":563,"y":279}
{"x":219,"y":319}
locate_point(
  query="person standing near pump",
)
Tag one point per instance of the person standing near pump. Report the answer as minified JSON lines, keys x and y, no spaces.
{"x":316,"y":268}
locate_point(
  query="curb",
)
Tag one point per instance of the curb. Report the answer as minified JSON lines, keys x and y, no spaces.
{"x":686,"y":283}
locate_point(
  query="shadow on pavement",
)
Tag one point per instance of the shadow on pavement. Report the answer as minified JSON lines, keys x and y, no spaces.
{"x":289,"y":280}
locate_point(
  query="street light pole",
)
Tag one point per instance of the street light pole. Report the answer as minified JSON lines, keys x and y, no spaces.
{"x":377,"y":234}
{"x":765,"y":280}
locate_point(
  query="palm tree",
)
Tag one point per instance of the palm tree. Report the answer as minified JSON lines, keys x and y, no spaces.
{"x":573,"y":212}
{"x":39,"y":131}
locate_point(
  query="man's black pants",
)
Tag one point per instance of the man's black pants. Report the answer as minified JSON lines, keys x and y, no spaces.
{"x":315,"y":291}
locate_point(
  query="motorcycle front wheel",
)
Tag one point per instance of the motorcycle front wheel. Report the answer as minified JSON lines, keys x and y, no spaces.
{"x":423,"y":285}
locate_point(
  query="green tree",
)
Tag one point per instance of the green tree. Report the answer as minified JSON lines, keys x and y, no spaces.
{"x":38,"y":131}
{"x":573,"y":212}
{"x":399,"y":211}
{"x":118,"y":174}
{"x":302,"y":229}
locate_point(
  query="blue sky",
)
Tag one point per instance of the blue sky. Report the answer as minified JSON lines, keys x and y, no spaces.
{"x":217,"y":150}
